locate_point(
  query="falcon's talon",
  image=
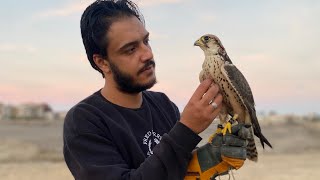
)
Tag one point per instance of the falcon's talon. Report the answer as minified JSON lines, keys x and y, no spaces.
{"x":229,"y":124}
{"x":227,"y":128}
{"x":211,"y":137}
{"x":235,"y":117}
{"x":218,"y":131}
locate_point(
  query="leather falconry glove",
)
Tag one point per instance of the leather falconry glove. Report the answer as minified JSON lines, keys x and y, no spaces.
{"x":219,"y":155}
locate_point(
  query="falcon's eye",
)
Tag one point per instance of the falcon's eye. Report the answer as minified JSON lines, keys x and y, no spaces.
{"x":206,"y":38}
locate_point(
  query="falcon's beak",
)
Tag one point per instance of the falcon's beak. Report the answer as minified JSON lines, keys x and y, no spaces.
{"x":200,"y":43}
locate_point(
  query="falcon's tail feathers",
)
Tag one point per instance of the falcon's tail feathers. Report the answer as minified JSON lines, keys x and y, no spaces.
{"x":264,"y":140}
{"x":252,"y":153}
{"x":257,"y":129}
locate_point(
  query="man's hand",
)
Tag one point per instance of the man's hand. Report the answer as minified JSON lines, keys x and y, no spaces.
{"x":218,"y":156}
{"x":199,"y":112}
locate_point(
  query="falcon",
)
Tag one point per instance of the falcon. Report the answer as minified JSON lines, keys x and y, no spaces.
{"x":238,"y":102}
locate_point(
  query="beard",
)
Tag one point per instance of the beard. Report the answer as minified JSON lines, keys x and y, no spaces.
{"x":126,"y":82}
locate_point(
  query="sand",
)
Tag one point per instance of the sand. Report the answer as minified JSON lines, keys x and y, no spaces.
{"x":34,"y":151}
{"x":34,"y":171}
{"x":270,"y":167}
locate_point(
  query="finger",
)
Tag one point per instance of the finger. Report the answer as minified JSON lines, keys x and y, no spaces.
{"x":202,"y":88}
{"x":214,"y":111}
{"x":217,"y":103}
{"x":210,"y":94}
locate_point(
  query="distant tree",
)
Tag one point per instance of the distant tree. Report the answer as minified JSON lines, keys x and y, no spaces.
{"x":272,"y":113}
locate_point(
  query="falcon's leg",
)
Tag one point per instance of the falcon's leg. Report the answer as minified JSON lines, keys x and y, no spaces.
{"x":218,"y":131}
{"x":223,"y":115}
{"x":229,"y":124}
{"x":223,"y":118}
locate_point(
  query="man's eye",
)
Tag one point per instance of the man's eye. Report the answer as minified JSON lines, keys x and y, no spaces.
{"x":131,"y":50}
{"x":146,"y":41}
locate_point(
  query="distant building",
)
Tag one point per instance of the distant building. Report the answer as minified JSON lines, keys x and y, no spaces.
{"x":27,"y":111}
{"x":1,"y":110}
{"x":7,"y":112}
{"x":313,"y":117}
{"x":60,"y":115}
{"x":290,"y":118}
{"x":34,"y":111}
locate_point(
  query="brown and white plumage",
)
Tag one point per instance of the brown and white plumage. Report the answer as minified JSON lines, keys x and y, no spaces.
{"x":237,"y":95}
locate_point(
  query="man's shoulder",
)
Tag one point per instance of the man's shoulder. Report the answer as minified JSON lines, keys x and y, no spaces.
{"x":93,"y":99}
{"x":87,"y":115}
{"x":90,"y":102}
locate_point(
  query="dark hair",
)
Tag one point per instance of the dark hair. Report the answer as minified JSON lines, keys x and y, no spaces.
{"x":96,"y":21}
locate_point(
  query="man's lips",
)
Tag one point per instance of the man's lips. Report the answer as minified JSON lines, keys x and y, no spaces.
{"x":147,"y":68}
{"x":149,"y":65}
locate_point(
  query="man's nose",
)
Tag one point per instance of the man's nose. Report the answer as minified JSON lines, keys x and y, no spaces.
{"x":146,"y":53}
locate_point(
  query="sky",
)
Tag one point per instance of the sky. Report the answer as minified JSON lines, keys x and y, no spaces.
{"x":274,"y":43}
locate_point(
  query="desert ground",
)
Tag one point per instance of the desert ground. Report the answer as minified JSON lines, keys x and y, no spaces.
{"x":33,"y":151}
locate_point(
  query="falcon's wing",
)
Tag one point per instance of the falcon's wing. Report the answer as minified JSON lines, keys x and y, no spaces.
{"x":242,"y":88}
{"x":239,"y":82}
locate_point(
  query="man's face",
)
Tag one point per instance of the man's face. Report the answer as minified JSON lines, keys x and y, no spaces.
{"x":130,"y":56}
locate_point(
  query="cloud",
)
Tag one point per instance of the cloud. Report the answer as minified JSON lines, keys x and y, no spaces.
{"x":79,"y":57}
{"x":149,"y":3}
{"x":78,"y":7}
{"x":65,"y":10}
{"x":58,"y":92}
{"x":10,"y":47}
{"x":154,"y":35}
{"x":207,"y":18}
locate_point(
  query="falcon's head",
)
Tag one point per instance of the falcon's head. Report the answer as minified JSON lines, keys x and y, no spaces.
{"x":210,"y":44}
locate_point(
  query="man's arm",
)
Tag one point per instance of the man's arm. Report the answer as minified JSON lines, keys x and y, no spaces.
{"x":94,"y":157}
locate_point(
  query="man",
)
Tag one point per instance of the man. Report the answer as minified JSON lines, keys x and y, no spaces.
{"x":123,"y":131}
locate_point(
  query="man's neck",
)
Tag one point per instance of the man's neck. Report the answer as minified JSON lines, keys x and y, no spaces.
{"x":112,"y":94}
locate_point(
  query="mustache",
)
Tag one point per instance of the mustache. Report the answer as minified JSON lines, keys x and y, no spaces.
{"x":146,"y":66}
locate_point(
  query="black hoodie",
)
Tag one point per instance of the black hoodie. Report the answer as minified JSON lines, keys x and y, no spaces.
{"x":104,"y":141}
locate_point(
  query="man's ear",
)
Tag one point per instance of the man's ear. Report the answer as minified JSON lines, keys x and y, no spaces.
{"x":102,"y":63}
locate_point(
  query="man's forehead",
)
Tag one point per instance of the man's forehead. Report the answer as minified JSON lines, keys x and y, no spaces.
{"x":125,"y":30}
